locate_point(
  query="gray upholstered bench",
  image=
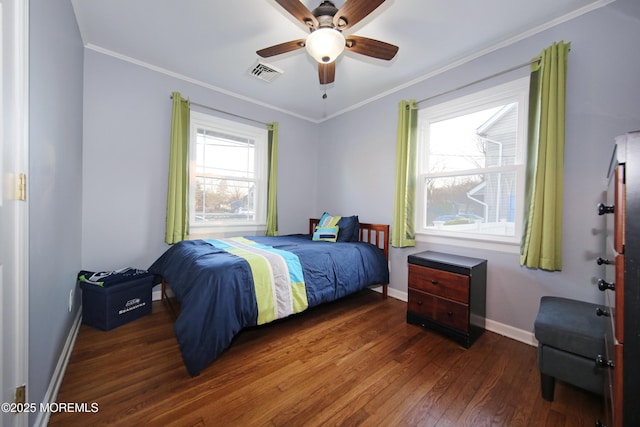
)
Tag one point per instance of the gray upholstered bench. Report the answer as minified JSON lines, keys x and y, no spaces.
{"x":570,"y":336}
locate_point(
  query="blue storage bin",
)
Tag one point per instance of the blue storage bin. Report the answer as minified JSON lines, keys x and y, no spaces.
{"x":111,"y":306}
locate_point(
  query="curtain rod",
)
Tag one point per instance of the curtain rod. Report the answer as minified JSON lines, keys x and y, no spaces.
{"x":517,"y":67}
{"x":224,"y":112}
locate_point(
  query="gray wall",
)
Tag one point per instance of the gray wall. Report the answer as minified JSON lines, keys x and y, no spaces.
{"x":127,"y":111}
{"x":603,"y":100}
{"x":55,"y":184}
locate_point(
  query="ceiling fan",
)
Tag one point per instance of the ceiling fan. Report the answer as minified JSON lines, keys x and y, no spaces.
{"x":325,"y":41}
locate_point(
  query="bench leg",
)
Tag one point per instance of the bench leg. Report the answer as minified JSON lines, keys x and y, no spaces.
{"x":547,"y":385}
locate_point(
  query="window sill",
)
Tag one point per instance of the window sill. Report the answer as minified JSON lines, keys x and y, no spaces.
{"x":470,"y":242}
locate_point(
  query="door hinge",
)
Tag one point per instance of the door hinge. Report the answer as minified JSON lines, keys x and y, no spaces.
{"x":21,"y":395}
{"x":21,"y":190}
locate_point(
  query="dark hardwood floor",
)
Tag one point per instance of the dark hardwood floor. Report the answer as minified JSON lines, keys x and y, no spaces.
{"x":352,"y":362}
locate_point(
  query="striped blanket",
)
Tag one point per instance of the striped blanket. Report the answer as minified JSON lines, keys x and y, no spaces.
{"x":277,"y":277}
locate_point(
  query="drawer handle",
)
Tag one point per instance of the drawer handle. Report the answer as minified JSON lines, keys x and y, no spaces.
{"x":449,"y":313}
{"x":601,"y":312}
{"x":419,"y":302}
{"x":604,"y":209}
{"x":605,"y":261}
{"x":604,"y":285}
{"x":434,"y":282}
{"x":602,"y":362}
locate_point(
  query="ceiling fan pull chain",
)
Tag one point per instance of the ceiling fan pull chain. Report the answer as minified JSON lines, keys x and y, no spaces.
{"x":324,"y":86}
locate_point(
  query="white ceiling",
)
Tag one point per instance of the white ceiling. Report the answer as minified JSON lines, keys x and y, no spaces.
{"x":214,"y":43}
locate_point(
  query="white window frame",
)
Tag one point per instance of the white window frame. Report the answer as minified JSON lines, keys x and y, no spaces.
{"x":256,"y":225}
{"x":514,"y":91}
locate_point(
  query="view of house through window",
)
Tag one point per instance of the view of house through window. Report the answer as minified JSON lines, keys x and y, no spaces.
{"x":227,"y":168}
{"x":471,"y":164}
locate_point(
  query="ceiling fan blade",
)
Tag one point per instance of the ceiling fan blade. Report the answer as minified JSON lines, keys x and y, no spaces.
{"x":371,"y":47}
{"x":299,"y":11}
{"x":281,"y":48}
{"x":327,"y":72}
{"x":353,"y":11}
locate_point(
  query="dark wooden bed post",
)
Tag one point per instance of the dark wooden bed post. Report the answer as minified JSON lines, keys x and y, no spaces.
{"x":169,"y":302}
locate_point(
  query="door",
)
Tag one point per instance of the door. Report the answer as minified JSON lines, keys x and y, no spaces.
{"x":13,"y":206}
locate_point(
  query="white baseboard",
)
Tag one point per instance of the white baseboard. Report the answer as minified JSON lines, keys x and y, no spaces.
{"x":58,"y":374}
{"x":521,"y":335}
{"x":156,"y":293}
{"x":394,"y":293}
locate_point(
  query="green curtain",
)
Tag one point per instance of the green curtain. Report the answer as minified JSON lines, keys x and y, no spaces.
{"x":272,"y":184}
{"x":177,"y":226}
{"x":402,"y":231}
{"x":542,"y":238}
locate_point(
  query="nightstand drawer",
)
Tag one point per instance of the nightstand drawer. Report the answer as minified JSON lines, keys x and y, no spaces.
{"x":441,"y":283}
{"x":444,"y":311}
{"x":453,"y":314}
{"x":421,"y":303}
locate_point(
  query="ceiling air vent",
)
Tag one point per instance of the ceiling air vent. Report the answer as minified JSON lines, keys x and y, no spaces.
{"x":265,"y":72}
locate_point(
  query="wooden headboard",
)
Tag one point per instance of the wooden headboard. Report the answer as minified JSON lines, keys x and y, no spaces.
{"x":377,"y":234}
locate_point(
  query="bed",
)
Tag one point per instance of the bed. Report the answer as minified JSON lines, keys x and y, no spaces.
{"x":225,"y":285}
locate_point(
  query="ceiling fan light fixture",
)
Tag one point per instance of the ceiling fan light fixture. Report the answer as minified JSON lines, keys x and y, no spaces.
{"x":325,"y":44}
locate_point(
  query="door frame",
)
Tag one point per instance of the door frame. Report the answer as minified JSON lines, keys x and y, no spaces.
{"x":15,"y":145}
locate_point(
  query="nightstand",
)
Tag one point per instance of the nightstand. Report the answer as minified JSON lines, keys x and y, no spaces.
{"x":447,"y":293}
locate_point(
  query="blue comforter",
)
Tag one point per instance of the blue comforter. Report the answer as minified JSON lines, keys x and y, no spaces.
{"x":216,"y":292}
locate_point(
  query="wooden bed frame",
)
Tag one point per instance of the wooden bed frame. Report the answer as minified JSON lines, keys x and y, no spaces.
{"x":376,"y":234}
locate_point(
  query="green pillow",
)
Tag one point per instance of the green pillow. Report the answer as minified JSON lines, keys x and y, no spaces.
{"x":326,"y":234}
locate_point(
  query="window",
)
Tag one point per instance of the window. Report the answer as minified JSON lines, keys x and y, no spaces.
{"x":471,"y":165}
{"x":228,"y":175}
